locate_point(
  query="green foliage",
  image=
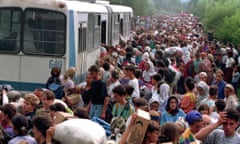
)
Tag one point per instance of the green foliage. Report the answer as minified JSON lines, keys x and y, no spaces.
{"x":229,"y":29}
{"x":197,"y":7}
{"x":217,"y":11}
{"x":221,"y":16}
{"x":169,"y":6}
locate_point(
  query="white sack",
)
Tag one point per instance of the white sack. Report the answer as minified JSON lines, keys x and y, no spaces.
{"x":79,"y":131}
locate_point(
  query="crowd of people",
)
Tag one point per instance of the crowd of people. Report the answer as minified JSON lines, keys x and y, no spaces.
{"x":187,"y":81}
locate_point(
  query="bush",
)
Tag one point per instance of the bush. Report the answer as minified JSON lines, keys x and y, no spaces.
{"x":229,"y":29}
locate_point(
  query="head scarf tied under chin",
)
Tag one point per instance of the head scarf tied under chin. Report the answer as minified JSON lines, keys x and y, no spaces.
{"x":203,"y":85}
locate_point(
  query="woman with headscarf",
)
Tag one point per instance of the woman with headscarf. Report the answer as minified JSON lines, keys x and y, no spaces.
{"x":202,"y":92}
{"x":230,"y":98}
{"x":172,"y":112}
{"x":145,"y":58}
{"x":148,"y":72}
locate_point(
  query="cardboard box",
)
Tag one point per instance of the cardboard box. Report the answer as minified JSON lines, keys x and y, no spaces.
{"x":139,"y":129}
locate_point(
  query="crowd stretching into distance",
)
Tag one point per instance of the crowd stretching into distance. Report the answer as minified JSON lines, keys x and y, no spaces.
{"x":187,"y":81}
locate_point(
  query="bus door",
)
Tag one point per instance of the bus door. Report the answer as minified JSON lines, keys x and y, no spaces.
{"x":103,"y":32}
{"x":81,"y":60}
{"x":10,"y":24}
{"x":121,"y":27}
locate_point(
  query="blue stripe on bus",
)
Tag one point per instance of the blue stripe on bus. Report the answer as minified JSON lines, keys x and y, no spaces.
{"x":23,"y":86}
{"x":72,"y":52}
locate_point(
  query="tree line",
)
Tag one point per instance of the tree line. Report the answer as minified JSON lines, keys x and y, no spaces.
{"x":221,"y":17}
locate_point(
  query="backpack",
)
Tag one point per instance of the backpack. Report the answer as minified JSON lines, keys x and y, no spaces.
{"x":57,"y":88}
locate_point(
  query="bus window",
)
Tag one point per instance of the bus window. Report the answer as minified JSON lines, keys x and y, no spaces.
{"x":10,"y":30}
{"x":44,"y":32}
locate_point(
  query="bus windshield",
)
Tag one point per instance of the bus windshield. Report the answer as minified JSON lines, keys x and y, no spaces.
{"x":10,"y":24}
{"x":44,"y":32}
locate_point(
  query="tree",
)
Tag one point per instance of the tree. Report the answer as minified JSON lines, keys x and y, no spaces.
{"x":216,"y":11}
{"x":197,"y":7}
{"x":169,"y":6}
{"x":229,"y":29}
{"x":221,"y":16}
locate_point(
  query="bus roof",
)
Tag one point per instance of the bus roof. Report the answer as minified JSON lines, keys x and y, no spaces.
{"x":103,"y":2}
{"x":55,"y":5}
{"x":115,"y":8}
{"x":29,"y":3}
{"x":85,"y":7}
{"x":120,"y":8}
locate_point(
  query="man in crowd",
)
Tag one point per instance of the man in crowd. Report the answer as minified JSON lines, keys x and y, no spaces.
{"x":227,"y":135}
{"x":98,"y":99}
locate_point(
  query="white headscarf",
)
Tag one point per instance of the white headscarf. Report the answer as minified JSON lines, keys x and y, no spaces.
{"x":205,"y":88}
{"x":145,"y":56}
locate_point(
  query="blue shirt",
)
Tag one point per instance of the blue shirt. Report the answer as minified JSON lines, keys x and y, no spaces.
{"x":221,"y":86}
{"x":167,"y":117}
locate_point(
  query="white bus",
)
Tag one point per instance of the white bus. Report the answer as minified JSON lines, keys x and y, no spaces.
{"x":120,"y":20}
{"x":36,"y":35}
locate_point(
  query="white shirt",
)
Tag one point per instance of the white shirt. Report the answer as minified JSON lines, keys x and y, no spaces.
{"x":135,"y":85}
{"x":186,"y":55}
{"x":5,"y":99}
{"x":111,"y":86}
{"x":162,"y":96}
{"x":229,"y":62}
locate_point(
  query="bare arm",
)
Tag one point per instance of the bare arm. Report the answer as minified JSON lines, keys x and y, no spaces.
{"x":88,"y":107}
{"x":124,"y":137}
{"x":50,"y":133}
{"x":204,"y":132}
{"x":104,"y":109}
